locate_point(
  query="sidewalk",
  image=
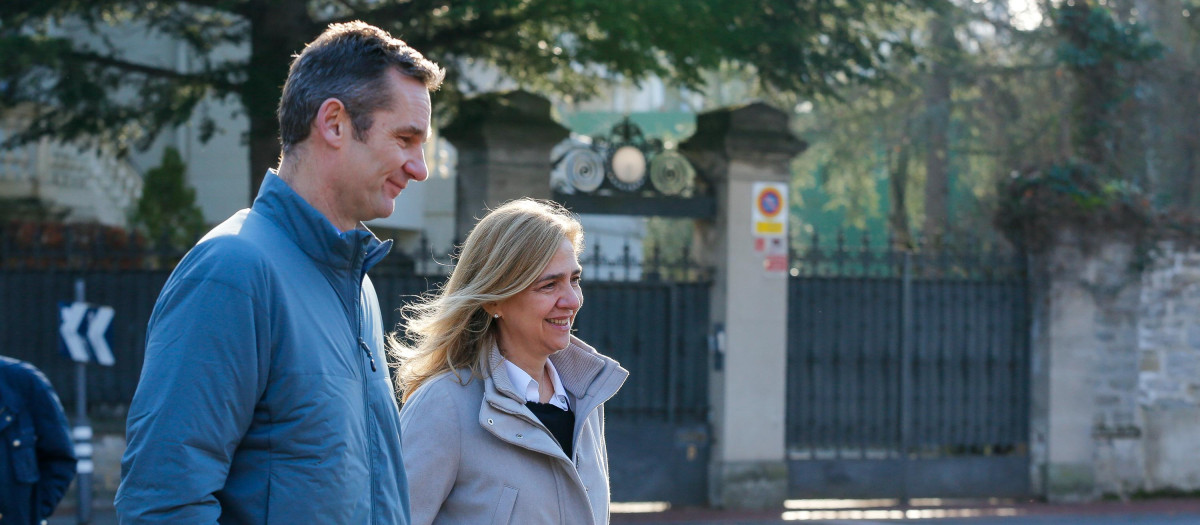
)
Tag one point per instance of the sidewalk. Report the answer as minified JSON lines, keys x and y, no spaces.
{"x":1148,"y":512}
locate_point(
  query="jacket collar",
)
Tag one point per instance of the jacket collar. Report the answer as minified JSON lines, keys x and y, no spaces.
{"x":591,"y":378}
{"x":312,"y":231}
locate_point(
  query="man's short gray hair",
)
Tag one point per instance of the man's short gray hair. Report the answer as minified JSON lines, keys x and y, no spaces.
{"x":348,"y":62}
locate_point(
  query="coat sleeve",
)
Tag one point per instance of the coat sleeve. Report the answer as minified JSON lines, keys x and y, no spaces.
{"x":55,"y":452}
{"x":207,"y":356}
{"x":432,"y":448}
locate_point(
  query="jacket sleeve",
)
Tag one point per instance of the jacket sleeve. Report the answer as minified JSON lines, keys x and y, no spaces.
{"x":207,"y":352}
{"x":55,"y":451}
{"x":432,"y":448}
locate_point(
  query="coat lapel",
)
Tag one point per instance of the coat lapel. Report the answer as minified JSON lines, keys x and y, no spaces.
{"x":504,"y":414}
{"x":589,"y":378}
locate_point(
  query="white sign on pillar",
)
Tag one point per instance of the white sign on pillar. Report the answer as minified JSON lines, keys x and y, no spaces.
{"x":769,"y":222}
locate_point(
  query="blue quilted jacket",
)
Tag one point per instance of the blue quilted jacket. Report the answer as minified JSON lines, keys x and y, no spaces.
{"x":265,"y":395}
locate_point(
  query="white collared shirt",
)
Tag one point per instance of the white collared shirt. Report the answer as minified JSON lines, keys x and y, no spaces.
{"x":526,"y":384}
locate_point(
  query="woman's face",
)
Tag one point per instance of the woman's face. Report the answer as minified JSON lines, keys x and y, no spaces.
{"x":537,"y":321}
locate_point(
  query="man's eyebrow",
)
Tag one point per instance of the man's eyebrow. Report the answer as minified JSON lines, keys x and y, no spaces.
{"x":404,"y":131}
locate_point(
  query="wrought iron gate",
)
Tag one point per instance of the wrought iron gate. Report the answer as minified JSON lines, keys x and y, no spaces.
{"x":657,"y":430}
{"x":908,"y":374}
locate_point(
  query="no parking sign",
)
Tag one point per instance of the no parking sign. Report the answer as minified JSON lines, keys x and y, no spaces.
{"x":769,"y":224}
{"x":770,"y":209}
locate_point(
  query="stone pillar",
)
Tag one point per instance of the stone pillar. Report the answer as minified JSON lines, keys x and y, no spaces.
{"x":733,"y":149}
{"x":1085,"y":421}
{"x":503,"y":142}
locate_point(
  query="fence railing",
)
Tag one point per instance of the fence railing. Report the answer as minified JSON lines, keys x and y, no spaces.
{"x":88,"y":247}
{"x":649,"y":313}
{"x":960,"y":256}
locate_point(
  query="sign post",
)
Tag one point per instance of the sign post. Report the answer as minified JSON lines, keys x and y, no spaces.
{"x":84,"y":337}
{"x":82,"y":433}
{"x":769,"y":225}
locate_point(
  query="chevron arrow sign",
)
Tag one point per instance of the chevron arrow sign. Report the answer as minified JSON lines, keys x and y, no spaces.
{"x":84,"y":332}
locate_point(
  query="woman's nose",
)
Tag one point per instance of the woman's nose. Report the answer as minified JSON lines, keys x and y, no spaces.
{"x":571,"y":300}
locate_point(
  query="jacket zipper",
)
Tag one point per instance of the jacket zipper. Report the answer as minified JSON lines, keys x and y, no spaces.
{"x":359,"y":257}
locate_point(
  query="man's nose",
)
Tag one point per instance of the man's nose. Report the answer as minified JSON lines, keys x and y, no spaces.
{"x":417,"y":169}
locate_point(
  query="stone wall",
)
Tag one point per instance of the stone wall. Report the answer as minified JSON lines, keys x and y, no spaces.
{"x":1168,"y":383}
{"x":1116,"y":372}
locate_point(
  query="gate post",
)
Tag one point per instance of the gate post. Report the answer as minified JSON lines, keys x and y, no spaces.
{"x":1088,"y":371}
{"x":503,"y":142}
{"x":735,"y":148}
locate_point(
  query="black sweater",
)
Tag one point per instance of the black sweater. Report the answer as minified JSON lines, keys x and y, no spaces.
{"x":561,"y":423}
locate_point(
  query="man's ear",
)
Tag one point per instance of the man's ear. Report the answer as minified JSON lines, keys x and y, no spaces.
{"x":333,"y":122}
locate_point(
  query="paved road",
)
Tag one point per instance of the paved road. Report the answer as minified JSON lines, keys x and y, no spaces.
{"x":1116,"y":519}
{"x":1160,"y":512}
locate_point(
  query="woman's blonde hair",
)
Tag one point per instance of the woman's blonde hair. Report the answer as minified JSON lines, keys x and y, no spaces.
{"x":503,"y":255}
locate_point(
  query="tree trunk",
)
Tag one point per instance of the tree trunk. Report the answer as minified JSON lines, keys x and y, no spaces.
{"x":897,"y":163}
{"x":937,"y":119}
{"x":279,"y":28}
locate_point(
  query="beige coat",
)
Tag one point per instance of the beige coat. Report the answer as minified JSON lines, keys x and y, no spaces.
{"x":476,"y":455}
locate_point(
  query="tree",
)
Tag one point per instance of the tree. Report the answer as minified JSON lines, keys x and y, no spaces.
{"x":922,"y":155}
{"x":167,"y":210}
{"x":557,"y":46}
{"x":1097,"y":48}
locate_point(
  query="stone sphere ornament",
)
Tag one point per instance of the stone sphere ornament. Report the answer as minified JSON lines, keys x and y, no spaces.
{"x":671,"y":173}
{"x":584,"y":169}
{"x":628,"y":165}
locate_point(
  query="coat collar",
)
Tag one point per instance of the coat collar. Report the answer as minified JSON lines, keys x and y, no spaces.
{"x":588,"y":376}
{"x":312,"y":231}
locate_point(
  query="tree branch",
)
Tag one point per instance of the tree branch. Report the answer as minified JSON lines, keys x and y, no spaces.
{"x":228,"y":6}
{"x":391,"y":11}
{"x":132,"y":67}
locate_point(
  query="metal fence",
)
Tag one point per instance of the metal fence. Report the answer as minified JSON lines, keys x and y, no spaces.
{"x":650,"y":314}
{"x":899,"y":354}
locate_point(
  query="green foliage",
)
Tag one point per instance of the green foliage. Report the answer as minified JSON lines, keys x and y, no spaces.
{"x":1095,"y":38}
{"x":1099,"y":49}
{"x":1035,"y":205}
{"x":89,"y":87}
{"x":167,"y":211}
{"x":876,"y":149}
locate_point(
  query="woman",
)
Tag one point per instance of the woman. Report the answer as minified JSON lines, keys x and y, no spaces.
{"x":503,"y":408}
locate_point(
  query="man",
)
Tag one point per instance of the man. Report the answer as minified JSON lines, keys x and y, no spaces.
{"x":265,"y":395}
{"x":37,"y":460}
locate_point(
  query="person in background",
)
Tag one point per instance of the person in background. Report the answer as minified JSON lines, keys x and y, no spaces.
{"x":503,"y":419}
{"x":264,"y":397}
{"x":37,"y":458}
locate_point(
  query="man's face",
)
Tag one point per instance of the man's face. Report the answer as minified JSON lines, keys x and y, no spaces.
{"x":375,"y":170}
